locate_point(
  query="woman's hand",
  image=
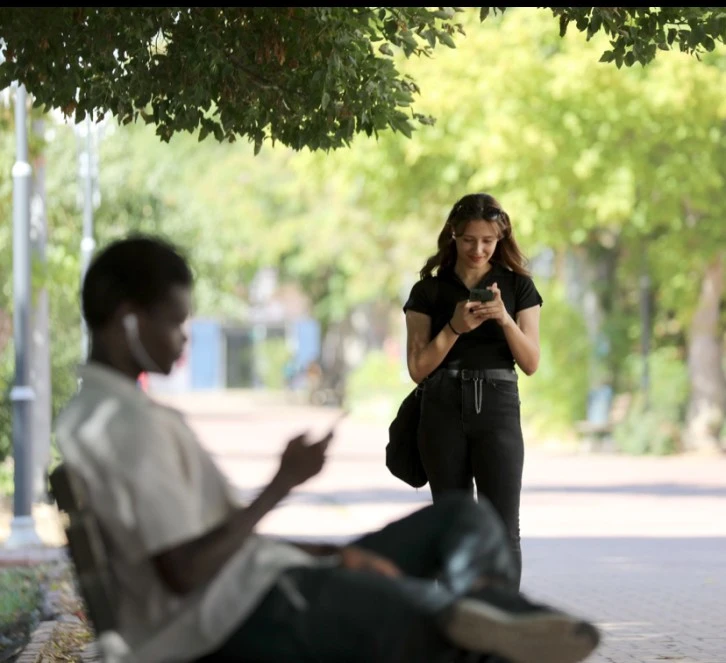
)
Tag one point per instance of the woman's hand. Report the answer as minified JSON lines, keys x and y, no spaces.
{"x":465,"y":317}
{"x":493,"y":310}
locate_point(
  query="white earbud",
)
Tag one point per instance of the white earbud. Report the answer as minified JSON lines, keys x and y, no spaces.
{"x":131,"y":327}
{"x":130,"y":322}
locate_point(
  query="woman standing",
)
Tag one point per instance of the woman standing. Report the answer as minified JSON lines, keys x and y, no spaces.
{"x":468,"y":324}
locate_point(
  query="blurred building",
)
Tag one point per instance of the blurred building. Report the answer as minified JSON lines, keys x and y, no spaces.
{"x":276,"y":342}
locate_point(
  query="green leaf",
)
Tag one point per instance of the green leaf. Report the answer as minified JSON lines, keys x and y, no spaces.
{"x":386,"y":50}
{"x":444,"y":14}
{"x":564,"y":22}
{"x":595,"y":25}
{"x":446,"y":38}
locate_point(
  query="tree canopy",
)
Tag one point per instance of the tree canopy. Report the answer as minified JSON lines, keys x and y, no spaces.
{"x":596,"y":166}
{"x":306,"y":77}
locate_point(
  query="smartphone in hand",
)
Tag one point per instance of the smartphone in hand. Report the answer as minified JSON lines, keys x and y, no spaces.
{"x":482,"y":295}
{"x":331,"y":431}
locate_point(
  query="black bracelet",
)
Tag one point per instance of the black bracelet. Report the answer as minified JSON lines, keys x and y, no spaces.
{"x":454,"y":330}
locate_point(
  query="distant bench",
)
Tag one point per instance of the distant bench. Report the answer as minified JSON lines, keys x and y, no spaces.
{"x":597,"y":436}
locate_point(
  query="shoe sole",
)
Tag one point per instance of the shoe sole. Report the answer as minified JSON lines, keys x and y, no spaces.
{"x":547,"y":637}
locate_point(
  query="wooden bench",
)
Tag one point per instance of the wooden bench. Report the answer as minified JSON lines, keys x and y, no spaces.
{"x":598,"y":436}
{"x":90,"y":560}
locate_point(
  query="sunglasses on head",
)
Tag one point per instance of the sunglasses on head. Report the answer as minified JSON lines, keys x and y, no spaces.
{"x":491,"y":213}
{"x":470,"y":209}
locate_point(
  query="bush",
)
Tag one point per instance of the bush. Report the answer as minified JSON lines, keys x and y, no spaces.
{"x":6,"y":407}
{"x":64,"y":359}
{"x":645,"y":431}
{"x":556,"y":395}
{"x":273,"y":355}
{"x":7,"y":477}
{"x":377,"y":386}
{"x":656,"y":428}
{"x":20,"y":601}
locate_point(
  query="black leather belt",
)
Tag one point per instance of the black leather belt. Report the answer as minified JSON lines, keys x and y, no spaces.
{"x":505,"y":374}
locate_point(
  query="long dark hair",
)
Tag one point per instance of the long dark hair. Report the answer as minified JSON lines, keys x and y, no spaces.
{"x":477,"y":207}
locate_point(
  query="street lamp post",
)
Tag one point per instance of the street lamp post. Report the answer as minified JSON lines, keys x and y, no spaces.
{"x":22,"y":395}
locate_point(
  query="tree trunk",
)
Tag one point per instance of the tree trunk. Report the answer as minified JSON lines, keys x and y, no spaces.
{"x":40,"y":371}
{"x":332,"y":360}
{"x":707,"y":406}
{"x":591,"y":279}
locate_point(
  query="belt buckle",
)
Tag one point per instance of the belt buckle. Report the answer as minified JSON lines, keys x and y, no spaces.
{"x":466,"y":374}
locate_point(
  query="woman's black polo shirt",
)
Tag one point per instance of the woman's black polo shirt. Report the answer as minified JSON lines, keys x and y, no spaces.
{"x":486,"y":346}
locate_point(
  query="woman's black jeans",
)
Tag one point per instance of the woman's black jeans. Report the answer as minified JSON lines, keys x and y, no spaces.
{"x":470,"y":431}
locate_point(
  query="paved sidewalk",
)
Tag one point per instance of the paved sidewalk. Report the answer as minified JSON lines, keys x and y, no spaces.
{"x":636,"y":544}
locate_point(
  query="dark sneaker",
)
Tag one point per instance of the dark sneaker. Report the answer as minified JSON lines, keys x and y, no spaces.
{"x":506,"y":624}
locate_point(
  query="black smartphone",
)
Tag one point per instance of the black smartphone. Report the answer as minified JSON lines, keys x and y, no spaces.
{"x":331,"y":431}
{"x":481,"y":295}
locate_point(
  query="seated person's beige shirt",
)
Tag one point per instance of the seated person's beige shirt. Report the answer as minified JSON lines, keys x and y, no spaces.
{"x":154,"y":487}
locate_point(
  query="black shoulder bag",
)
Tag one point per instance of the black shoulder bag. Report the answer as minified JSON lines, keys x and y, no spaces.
{"x":402,"y":455}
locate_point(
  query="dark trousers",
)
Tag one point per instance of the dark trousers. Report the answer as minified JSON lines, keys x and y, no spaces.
{"x":460,"y":446}
{"x":340,"y":616}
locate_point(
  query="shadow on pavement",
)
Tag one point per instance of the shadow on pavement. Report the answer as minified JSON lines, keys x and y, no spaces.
{"x":411,"y":496}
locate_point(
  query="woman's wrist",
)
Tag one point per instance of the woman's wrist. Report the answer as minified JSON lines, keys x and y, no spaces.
{"x":508,"y":322}
{"x":453,"y":329}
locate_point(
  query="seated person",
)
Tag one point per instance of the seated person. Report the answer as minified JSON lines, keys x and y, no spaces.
{"x":194,"y":580}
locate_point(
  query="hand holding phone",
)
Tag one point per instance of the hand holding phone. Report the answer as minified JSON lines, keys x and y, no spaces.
{"x":331,"y":431}
{"x":482,"y":295}
{"x":302,"y":459}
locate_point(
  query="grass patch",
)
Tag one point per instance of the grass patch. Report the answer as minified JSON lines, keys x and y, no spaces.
{"x":21,"y":608}
{"x":20,"y":600}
